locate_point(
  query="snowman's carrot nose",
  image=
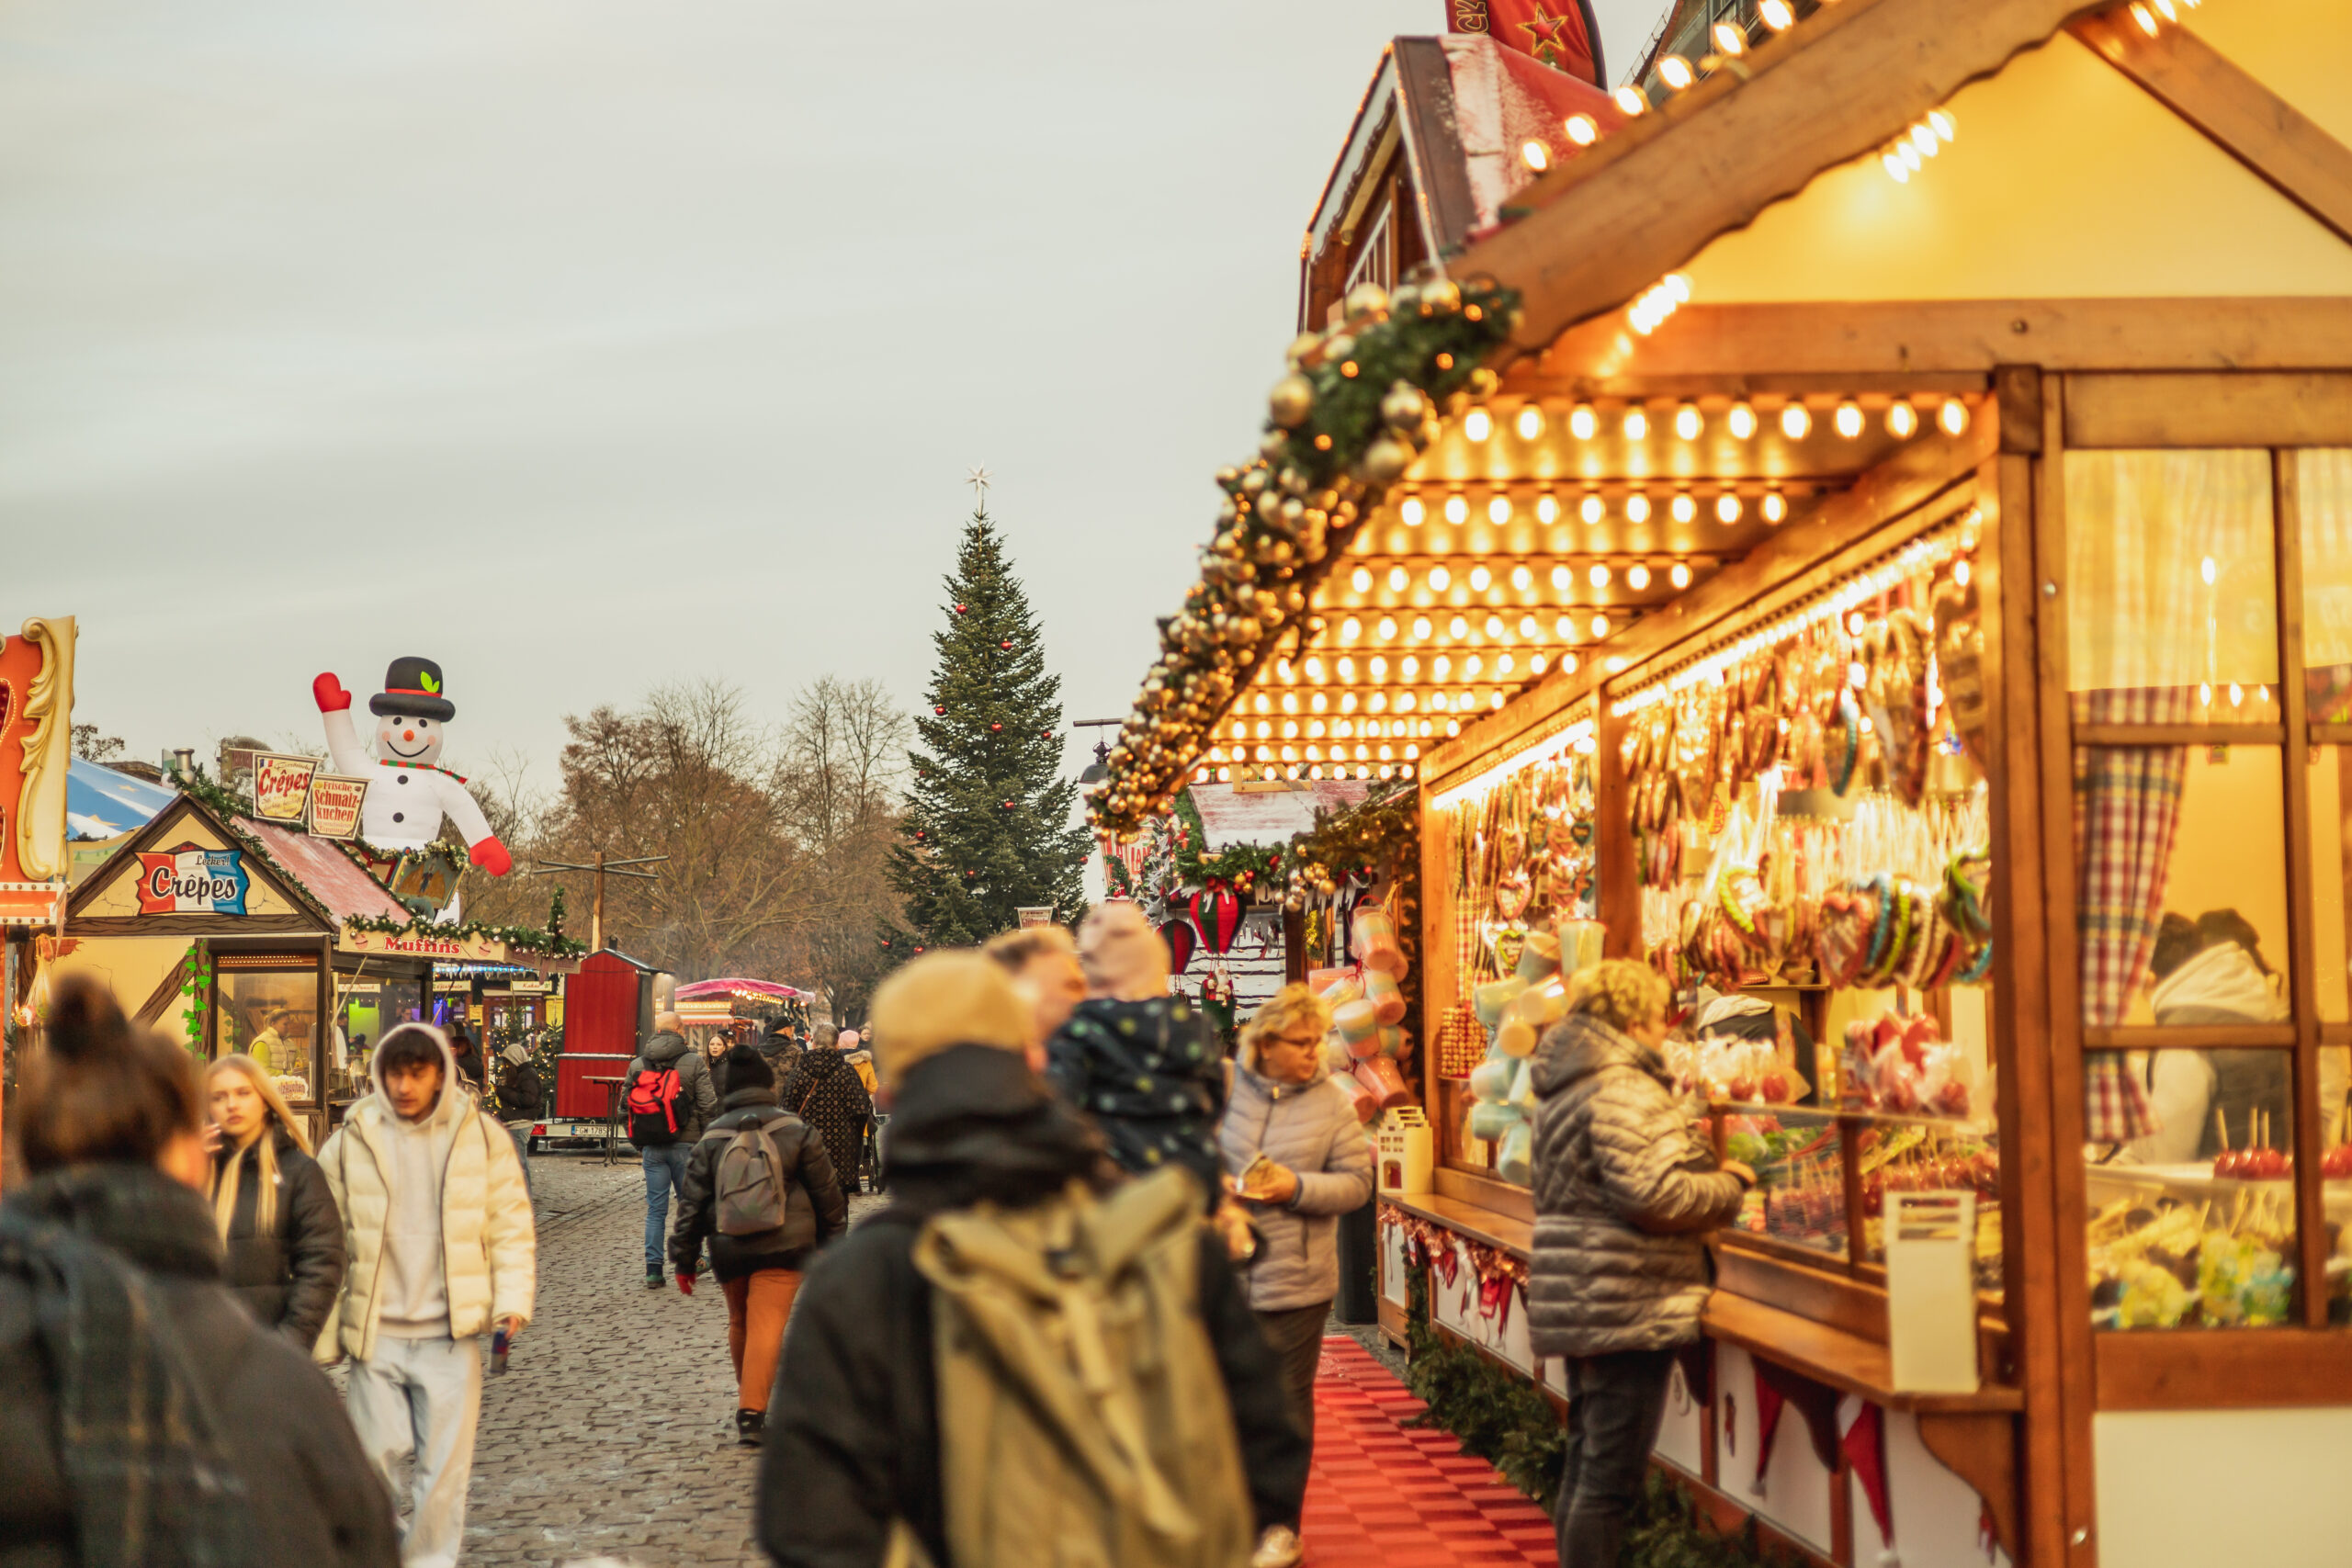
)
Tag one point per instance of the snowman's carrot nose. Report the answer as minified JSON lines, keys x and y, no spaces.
{"x":408,"y":734}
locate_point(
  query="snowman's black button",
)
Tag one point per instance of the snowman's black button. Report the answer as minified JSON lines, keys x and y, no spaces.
{"x":399,"y":778}
{"x":400,"y":816}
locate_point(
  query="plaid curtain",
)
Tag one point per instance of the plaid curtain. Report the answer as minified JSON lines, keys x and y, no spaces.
{"x":2127,"y":810}
{"x":2327,"y":483}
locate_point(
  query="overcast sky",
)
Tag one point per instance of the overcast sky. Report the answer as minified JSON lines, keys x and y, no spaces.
{"x":585,"y":347}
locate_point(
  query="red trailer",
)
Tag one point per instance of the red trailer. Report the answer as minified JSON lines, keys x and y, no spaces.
{"x":607,"y":1013}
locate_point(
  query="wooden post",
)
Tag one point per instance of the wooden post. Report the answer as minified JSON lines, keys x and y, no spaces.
{"x":596,"y":910}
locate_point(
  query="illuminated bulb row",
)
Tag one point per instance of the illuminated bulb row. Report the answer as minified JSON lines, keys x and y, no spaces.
{"x":1662,"y":300}
{"x":1727,"y":507}
{"x":1241,"y":732}
{"x":1687,"y":422}
{"x":1562,"y":578}
{"x":1311,"y":770}
{"x":1362,"y":753}
{"x":1910,"y":152}
{"x":1923,"y":555}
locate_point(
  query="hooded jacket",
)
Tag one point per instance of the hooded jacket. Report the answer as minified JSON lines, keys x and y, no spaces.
{"x":1624,"y":1198}
{"x":1151,"y":1075}
{"x":309,"y":1495}
{"x":287,"y":1279}
{"x":825,"y":1091}
{"x":852,"y":1437}
{"x":2220,"y":984}
{"x":697,"y":1095}
{"x":814,"y":1209}
{"x":1312,"y":1128}
{"x":436,"y":1221}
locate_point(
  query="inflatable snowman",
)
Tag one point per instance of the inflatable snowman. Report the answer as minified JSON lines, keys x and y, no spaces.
{"x":411,"y":792}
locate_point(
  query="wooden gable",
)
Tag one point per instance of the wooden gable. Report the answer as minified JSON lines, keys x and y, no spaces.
{"x":108,"y":901}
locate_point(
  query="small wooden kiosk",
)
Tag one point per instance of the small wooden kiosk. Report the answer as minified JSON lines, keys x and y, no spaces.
{"x":1919,"y":485}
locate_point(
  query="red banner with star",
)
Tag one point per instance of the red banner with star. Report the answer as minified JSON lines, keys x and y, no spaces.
{"x":1561,"y":33}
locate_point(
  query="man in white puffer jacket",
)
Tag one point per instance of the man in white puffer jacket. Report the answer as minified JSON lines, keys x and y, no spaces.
{"x":437,"y":1228}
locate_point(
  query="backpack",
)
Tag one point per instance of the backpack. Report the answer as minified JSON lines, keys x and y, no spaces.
{"x":749,"y":1190}
{"x":652,"y":1106}
{"x":1083,"y":1415}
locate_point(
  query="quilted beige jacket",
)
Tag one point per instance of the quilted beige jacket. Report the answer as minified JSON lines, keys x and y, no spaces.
{"x":1624,"y":1198}
{"x":490,"y":1251}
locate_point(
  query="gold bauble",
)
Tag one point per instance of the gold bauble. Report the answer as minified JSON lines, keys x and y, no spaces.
{"x":1366,"y":300}
{"x":1291,"y":401}
{"x":1339,"y":348}
{"x":1273,"y":442}
{"x":1484,"y":383}
{"x":1255,"y":480}
{"x":1403,"y":405}
{"x":1441,"y":298}
{"x":1301,"y":345}
{"x":1406,"y":297}
{"x":1385,"y":460}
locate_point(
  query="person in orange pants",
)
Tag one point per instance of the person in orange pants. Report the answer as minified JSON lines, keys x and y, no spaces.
{"x":761,"y":1188}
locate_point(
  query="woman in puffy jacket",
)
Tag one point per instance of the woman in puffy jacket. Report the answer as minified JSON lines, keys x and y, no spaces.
{"x":270,"y":1202}
{"x":1299,"y":1160}
{"x":1625,"y":1197}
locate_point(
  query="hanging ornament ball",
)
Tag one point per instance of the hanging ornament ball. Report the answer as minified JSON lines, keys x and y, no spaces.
{"x":1046,"y":733}
{"x":940,"y":708}
{"x":959,"y":609}
{"x":1291,"y":401}
{"x":1008,"y":806}
{"x":993,"y":728}
{"x":1006,"y":645}
{"x":1385,"y":460}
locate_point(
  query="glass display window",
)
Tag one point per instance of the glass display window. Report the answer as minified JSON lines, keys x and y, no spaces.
{"x":2323,"y":495}
{"x":271,"y":1015}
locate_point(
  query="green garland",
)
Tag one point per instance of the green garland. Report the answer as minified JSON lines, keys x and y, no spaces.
{"x":1243,"y":865}
{"x":521,"y":939}
{"x":1382,"y":829}
{"x":1503,"y":1419}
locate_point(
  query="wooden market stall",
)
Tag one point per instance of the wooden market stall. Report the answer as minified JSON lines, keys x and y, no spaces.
{"x":1895,"y":578}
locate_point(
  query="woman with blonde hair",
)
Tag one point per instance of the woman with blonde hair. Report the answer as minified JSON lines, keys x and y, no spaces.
{"x":1625,"y":1197}
{"x":271,"y":1204}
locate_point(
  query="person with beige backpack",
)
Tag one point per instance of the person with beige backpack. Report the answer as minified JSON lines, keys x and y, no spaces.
{"x":1013,"y":1364}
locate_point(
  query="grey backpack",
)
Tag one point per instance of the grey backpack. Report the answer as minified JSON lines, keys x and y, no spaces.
{"x":748,"y":1187}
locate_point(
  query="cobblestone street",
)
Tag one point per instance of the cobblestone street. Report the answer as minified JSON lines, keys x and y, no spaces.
{"x":612,"y":1434}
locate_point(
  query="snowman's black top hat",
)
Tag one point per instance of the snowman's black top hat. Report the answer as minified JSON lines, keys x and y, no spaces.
{"x":412,"y":686}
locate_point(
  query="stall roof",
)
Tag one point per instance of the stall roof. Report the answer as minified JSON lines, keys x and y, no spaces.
{"x":1270,"y":814}
{"x":327,"y":874}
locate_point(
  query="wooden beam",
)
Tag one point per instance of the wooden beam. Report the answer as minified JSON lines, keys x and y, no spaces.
{"x":1931,"y":338}
{"x":2271,"y":137}
{"x":1610,"y":222}
{"x":2210,"y":408}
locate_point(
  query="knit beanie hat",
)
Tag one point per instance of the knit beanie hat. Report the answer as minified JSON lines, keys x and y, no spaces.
{"x":939,"y":1000}
{"x":744,"y":1067}
{"x":1122,"y":955}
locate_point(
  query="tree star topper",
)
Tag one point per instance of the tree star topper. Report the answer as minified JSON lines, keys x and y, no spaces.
{"x":978,"y":478}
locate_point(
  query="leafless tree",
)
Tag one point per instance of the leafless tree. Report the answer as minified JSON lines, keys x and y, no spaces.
{"x":845,"y":747}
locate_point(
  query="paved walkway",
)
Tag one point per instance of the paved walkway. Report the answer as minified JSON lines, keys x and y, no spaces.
{"x":612,"y":1435}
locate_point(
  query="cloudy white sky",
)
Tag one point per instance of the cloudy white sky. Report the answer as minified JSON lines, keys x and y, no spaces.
{"x":585,"y":347}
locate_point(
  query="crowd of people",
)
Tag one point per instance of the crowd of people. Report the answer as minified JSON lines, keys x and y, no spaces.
{"x":1090,"y":1313}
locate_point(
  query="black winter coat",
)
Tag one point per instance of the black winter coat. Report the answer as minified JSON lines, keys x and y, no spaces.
{"x":522,"y":1096}
{"x":313,"y":1499}
{"x":825,"y":1091}
{"x":814,"y":1209}
{"x":853,"y":1436}
{"x":1153,"y":1076}
{"x":287,"y":1279}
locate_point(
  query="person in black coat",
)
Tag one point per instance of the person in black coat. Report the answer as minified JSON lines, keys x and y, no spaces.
{"x":197,"y":1435}
{"x":759,"y":1274}
{"x":271,"y":1204}
{"x":855,"y":1442}
{"x":825,"y":1091}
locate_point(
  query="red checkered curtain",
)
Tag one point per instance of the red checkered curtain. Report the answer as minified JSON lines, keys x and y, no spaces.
{"x":2127,"y":809}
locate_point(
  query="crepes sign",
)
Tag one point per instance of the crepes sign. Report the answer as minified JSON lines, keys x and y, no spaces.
{"x":192,"y":881}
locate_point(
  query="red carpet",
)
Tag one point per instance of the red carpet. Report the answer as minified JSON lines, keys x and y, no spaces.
{"x":1387,"y":1496}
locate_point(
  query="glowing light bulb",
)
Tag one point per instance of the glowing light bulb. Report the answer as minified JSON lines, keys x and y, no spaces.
{"x":1902,"y":419}
{"x":1409,"y":668}
{"x":1592,"y":509}
{"x":1314,"y":670}
{"x":1683,"y":507}
{"x":1925,"y":140}
{"x":1499,"y":510}
{"x":1687,"y":422}
{"x":1481,"y":580}
{"x":2237,"y":695}
{"x":1637,"y":423}
{"x":1521,"y":578}
{"x":1795,"y":423}
{"x":1441,"y":668}
{"x":1564,"y":628}
{"x":1679,"y":576}
{"x":1495,"y":628}
{"x":1351,"y":629}
{"x":1727,"y":508}
{"x":1631,"y":99}
{"x":2144,"y":17}
{"x":1675,"y":72}
{"x":1504,"y":664}
{"x":1777,"y":15}
{"x":1535,"y":155}
{"x":1398,"y":580}
{"x":1476,"y":426}
{"x":1412,"y":512}
{"x":1599,"y":626}
{"x":1960,"y":572}
{"x":1952,"y":417}
{"x":1386,"y":629}
{"x":1729,"y":39}
{"x":1529,"y":423}
{"x":1561,"y":577}
{"x":1547,"y":509}
{"x":1583,"y":423}
{"x":1896,"y":170}
{"x":1421,"y":628}
{"x":1361,"y":580}
{"x":1740,"y":422}
{"x":1440,"y":579}
{"x":1598,"y":576}
{"x":1528,"y":628}
{"x":2206,"y":570}
{"x":1637,"y":508}
{"x":1910,"y":155}
{"x":1377,"y":668}
{"x":1941,"y":123}
{"x":1774,"y":506}
{"x":1457,"y":510}
{"x":1458,"y":627}
{"x":1582,"y":130}
{"x":2205,"y":695}
{"x":1848,"y":419}
{"x":1638,"y":577}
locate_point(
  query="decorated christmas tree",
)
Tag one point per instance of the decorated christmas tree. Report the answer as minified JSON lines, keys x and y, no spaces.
{"x":989,"y":825}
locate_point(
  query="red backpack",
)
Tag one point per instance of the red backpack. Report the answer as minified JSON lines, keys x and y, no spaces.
{"x":652,"y":1106}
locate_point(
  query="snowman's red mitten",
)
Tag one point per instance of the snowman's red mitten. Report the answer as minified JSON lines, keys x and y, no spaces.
{"x":491,"y":856}
{"x":329,"y":692}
